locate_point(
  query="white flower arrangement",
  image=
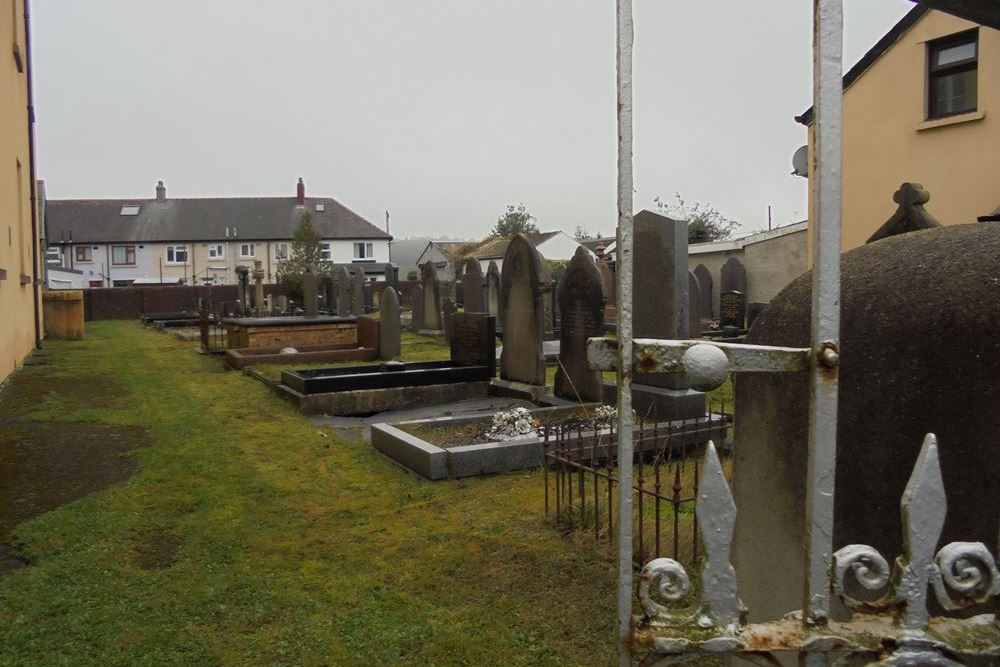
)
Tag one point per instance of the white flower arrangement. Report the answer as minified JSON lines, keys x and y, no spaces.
{"x":605,"y":415}
{"x":512,"y":425}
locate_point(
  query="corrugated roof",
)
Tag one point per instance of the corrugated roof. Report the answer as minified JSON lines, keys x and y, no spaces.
{"x":203,"y":219}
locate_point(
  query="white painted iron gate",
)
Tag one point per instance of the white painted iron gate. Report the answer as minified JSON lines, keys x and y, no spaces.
{"x":894,"y":627}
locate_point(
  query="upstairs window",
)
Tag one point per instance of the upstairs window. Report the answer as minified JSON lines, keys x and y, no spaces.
{"x":247,"y":250}
{"x":122,"y":255}
{"x":281,"y":250}
{"x":216,"y":251}
{"x":363,"y":251}
{"x":326,"y":251}
{"x":131,"y":209}
{"x":177,"y":254}
{"x":953,"y":67}
{"x":84,"y":253}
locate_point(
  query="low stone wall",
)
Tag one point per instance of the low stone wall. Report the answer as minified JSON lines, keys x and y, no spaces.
{"x":307,"y":354}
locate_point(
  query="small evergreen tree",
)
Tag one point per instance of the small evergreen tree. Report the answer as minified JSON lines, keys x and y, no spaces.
{"x":516,"y":220}
{"x":306,"y":251}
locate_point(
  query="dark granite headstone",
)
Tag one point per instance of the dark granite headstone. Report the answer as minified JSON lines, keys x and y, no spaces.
{"x":328,"y":289}
{"x":389,"y":345}
{"x":522,"y":311}
{"x":473,"y":287}
{"x":704,"y":276}
{"x":473,"y":340}
{"x":448,"y":310}
{"x":343,"y":291}
{"x":918,"y":354}
{"x":694,"y":306}
{"x":432,"y":297}
{"x":581,"y":301}
{"x":417,"y":299}
{"x":493,"y":289}
{"x":358,"y":292}
{"x":732,"y":309}
{"x":734,"y":278}
{"x":309,"y":293}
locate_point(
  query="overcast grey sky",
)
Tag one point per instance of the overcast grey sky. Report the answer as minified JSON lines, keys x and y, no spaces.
{"x":442,"y":111}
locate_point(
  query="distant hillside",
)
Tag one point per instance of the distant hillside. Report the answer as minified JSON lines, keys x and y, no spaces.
{"x":406,"y":251}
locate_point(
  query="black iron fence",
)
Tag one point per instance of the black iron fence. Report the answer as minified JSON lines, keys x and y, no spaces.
{"x":581,"y":481}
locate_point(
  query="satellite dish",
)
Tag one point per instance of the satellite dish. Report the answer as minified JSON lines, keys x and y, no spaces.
{"x":800,"y":162}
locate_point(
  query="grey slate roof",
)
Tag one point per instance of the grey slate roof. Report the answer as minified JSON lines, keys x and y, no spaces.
{"x":202,"y":219}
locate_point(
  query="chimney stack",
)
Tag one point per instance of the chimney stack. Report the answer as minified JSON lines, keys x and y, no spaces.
{"x":300,"y":193}
{"x":161,"y":191}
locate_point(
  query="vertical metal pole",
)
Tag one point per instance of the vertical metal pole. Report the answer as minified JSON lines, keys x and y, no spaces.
{"x":828,"y":20}
{"x":624,"y":274}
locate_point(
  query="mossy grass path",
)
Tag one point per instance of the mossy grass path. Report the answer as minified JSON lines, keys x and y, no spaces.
{"x":248,"y":536}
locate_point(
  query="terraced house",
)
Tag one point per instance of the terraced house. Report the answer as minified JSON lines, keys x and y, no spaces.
{"x":20,"y":307}
{"x":199,"y":241}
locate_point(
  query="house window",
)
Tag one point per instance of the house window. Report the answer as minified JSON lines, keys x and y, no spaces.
{"x":247,"y":250}
{"x":281,"y":251}
{"x":122,"y":255}
{"x":320,"y":207}
{"x":130,"y":209}
{"x":177,"y":254}
{"x":363,"y":251}
{"x":953,"y":66}
{"x":216,"y":251}
{"x":326,"y":251}
{"x":84,"y":253}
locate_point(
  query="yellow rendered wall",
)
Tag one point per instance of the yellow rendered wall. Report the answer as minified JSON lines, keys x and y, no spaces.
{"x":887,"y":141}
{"x":17,"y":300}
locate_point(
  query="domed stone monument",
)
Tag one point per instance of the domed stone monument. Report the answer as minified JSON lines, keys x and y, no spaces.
{"x":920,"y":353}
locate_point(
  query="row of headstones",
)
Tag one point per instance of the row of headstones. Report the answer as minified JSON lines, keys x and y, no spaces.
{"x":481,"y":294}
{"x":340,"y":294}
{"x":733,"y":305}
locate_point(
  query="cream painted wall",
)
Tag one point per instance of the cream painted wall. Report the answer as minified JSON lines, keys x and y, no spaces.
{"x":17,"y":295}
{"x":887,"y":142}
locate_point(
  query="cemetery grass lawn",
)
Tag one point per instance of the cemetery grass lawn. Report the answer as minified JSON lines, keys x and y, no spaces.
{"x":248,"y":536}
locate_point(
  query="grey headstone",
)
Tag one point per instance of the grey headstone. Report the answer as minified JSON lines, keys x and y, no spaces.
{"x":493,"y":289}
{"x":704,"y":277}
{"x":358,"y":292}
{"x":282,"y":303}
{"x":659,"y":299}
{"x":389,"y":343}
{"x":328,"y":289}
{"x":309,"y":293}
{"x":694,"y":306}
{"x":522,"y":312}
{"x":448,"y":310}
{"x":473,"y":340}
{"x":734,"y":277}
{"x":918,"y":355}
{"x":343,"y":291}
{"x":581,"y":301}
{"x":417,"y":303}
{"x":432,"y":297}
{"x":473,"y":287}
{"x":607,"y":282}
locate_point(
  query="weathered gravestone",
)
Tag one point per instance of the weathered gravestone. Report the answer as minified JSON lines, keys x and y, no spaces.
{"x":694,"y":306}
{"x":282,"y":303}
{"x":343,"y":291}
{"x":734,"y":277}
{"x":473,"y":340}
{"x":493,"y":289}
{"x":448,"y":310}
{"x":432,"y":297}
{"x":660,"y":310}
{"x":581,"y":301}
{"x":243,"y":288}
{"x":607,"y":282}
{"x":473,"y":286}
{"x":522,"y":311}
{"x":918,"y":355}
{"x":358,"y":292}
{"x":754,"y":308}
{"x":258,"y":285}
{"x":309,"y":293}
{"x":704,"y":277}
{"x":328,"y":288}
{"x":732,"y":310}
{"x":389,"y":345}
{"x":417,"y":304}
